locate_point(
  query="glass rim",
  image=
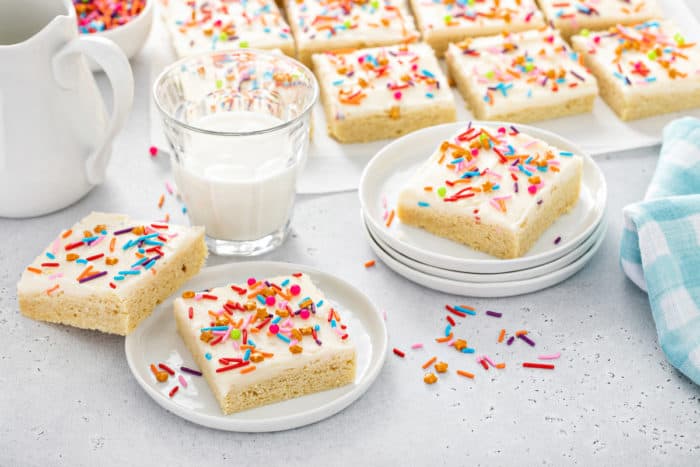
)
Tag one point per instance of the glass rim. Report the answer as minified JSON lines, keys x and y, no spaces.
{"x":266,"y":53}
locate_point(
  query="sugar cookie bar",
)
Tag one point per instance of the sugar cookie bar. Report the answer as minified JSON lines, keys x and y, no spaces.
{"x":521,"y":77}
{"x":266,"y":340}
{"x":384,"y":92}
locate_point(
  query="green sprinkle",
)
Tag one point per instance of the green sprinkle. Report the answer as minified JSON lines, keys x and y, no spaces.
{"x":243,"y":44}
{"x":219,"y":84}
{"x":236,"y":334}
{"x":442,"y":191}
{"x":223,"y":36}
{"x":490,"y":74}
{"x":529,"y":67}
{"x":448,"y":18}
{"x":585,"y":32}
{"x":680,"y":40}
{"x":652,"y":55}
{"x":347,"y":24}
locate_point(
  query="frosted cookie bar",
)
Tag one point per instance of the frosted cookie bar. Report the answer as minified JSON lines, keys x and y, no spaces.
{"x":266,"y":341}
{"x":108,"y":272}
{"x":571,"y":16}
{"x":643,"y":70}
{"x":197,"y":26}
{"x":327,"y":25}
{"x":445,"y":21}
{"x":521,"y":77}
{"x":385,"y":92}
{"x":494,"y":189}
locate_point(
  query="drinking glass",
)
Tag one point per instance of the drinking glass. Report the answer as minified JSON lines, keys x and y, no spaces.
{"x":238,"y":126}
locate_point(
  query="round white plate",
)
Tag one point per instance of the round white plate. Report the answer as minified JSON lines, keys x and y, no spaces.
{"x":546,"y":268}
{"x":388,"y":171}
{"x":156,"y":341}
{"x":488,"y":289}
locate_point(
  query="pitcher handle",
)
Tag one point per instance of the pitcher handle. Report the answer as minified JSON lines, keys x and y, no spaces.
{"x":116,"y":66}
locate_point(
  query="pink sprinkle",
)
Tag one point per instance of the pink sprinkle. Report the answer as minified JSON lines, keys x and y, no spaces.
{"x":169,"y":187}
{"x":274,"y":329}
{"x":56,"y":245}
{"x":270,"y":300}
{"x":251,"y":281}
{"x":305,"y":314}
{"x":532,"y":189}
{"x":58,"y":275}
{"x":417,"y":346}
{"x":490,"y":362}
{"x":397,"y":95}
{"x":384,"y":315}
{"x":553,"y":356}
{"x":153,"y":151}
{"x":295,"y":289}
{"x":182,"y":380}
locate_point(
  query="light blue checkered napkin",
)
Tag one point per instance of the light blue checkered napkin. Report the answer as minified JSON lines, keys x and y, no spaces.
{"x":660,"y":248}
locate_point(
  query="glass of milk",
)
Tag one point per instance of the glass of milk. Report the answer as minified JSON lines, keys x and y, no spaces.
{"x":238,"y":126}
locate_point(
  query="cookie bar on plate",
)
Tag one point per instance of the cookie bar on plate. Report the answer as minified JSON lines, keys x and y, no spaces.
{"x":644,"y":69}
{"x":571,"y":16}
{"x":203,"y":25}
{"x":108,"y":272}
{"x":266,"y":341}
{"x":445,"y":21}
{"x":327,"y":25}
{"x":372,"y":94}
{"x":494,"y":189}
{"x":521,"y":77}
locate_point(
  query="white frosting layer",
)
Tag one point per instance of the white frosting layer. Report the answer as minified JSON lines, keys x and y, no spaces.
{"x":202,"y":25}
{"x":522,"y":70}
{"x":333,"y":23}
{"x":649,"y":58}
{"x":582,"y":12}
{"x":478,"y":18}
{"x":503,"y":191}
{"x":329,"y":332}
{"x":56,"y":267}
{"x":379,"y":79}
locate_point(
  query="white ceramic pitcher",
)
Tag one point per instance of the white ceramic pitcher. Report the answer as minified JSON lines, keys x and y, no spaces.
{"x":55,"y":135}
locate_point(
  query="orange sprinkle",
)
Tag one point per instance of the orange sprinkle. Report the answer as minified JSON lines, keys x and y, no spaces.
{"x":427,"y":188}
{"x":444,"y":339}
{"x":111,"y":244}
{"x":34,"y":270}
{"x":521,"y":333}
{"x":248,"y":369}
{"x":500,"y":366}
{"x":370,"y":263}
{"x":67,"y":233}
{"x":429,"y":362}
{"x":465,"y":374}
{"x":161,"y":200}
{"x":501,"y":336}
{"x":85,"y":272}
{"x":52,"y":289}
{"x":390,"y":219}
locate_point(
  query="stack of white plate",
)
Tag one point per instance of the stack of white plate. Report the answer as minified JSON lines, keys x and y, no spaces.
{"x":440,"y":264}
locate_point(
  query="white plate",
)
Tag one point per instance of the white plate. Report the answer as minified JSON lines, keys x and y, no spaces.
{"x":386,"y":175}
{"x":157,"y":341}
{"x":555,"y":265}
{"x":488,"y":289}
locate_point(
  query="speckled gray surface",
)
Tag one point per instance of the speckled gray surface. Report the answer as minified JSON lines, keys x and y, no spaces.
{"x":68,"y":398}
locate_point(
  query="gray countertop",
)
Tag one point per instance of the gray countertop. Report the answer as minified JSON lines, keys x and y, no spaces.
{"x":67,"y":396}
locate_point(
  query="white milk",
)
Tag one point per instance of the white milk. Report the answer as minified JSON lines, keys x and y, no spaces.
{"x":239,"y":188}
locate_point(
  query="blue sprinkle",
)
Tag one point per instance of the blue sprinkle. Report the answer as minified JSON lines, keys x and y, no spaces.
{"x":81,"y":261}
{"x":283,"y":337}
{"x":250,"y":342}
{"x":523,"y":170}
{"x":214,"y":328}
{"x":429,"y":95}
{"x":448,"y":330}
{"x":465,"y":310}
{"x":261,"y":299}
{"x":276,"y":320}
{"x":90,"y":239}
{"x":317,"y":327}
{"x":149,"y":265}
{"x":139,"y":262}
{"x":50,"y":255}
{"x":130,"y":273}
{"x":319,"y":304}
{"x":566,"y":153}
{"x":118,"y":278}
{"x":285,"y":283}
{"x":467,"y":350}
{"x":207,"y":356}
{"x":184,"y":210}
{"x":423,"y":204}
{"x":333,"y":323}
{"x":246,"y":355}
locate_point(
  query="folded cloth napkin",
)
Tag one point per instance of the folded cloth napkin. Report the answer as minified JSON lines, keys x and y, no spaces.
{"x":660,"y":249}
